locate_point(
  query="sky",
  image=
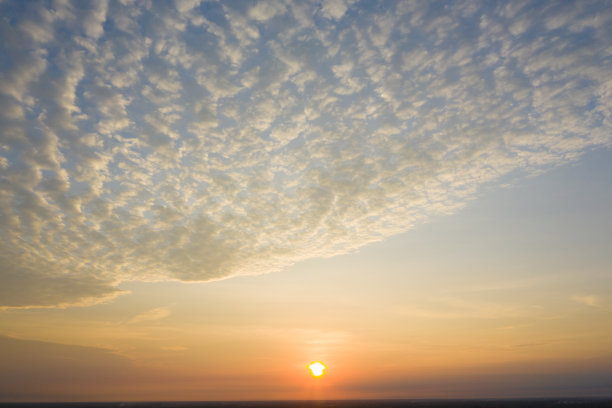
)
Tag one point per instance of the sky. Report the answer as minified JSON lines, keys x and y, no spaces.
{"x":199,"y":198}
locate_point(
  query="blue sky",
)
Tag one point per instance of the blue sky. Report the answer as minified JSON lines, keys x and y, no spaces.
{"x":201,"y":140}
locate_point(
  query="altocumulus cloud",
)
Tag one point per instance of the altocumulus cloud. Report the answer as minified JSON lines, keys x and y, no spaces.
{"x":199,"y":140}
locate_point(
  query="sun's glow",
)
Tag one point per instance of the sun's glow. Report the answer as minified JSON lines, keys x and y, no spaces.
{"x":317,"y":368}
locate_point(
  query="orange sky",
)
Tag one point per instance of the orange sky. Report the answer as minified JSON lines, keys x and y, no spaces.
{"x":200,"y":198}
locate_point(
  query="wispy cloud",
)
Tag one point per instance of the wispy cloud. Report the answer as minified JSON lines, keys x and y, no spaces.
{"x":151,"y":315}
{"x":198,"y":141}
{"x":459,"y":308}
{"x":587,"y":300}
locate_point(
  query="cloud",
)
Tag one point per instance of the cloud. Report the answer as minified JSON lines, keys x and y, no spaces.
{"x":32,"y":282}
{"x":151,"y":315}
{"x":36,"y":290}
{"x":265,"y":10}
{"x":334,"y":8}
{"x":587,"y":300}
{"x":451,"y":308}
{"x":37,"y":370}
{"x":198,"y":143}
{"x":95,"y":18}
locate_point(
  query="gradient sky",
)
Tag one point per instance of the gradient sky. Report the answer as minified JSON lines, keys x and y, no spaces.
{"x":199,"y":198}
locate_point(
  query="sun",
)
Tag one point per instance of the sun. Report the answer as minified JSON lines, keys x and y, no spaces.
{"x":317,"y":369}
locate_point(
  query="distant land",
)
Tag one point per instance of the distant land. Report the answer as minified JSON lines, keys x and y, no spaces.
{"x":429,"y":403}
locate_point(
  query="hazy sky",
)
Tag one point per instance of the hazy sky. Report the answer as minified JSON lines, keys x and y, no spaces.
{"x":417,"y":194}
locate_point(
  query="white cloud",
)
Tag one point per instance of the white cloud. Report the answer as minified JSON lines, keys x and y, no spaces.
{"x":184,"y":6}
{"x":199,"y":143}
{"x":265,"y":10}
{"x":334,"y":8}
{"x":95,"y":18}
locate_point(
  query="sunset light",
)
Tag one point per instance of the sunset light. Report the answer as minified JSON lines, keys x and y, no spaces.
{"x":213,"y":200}
{"x":317,"y":369}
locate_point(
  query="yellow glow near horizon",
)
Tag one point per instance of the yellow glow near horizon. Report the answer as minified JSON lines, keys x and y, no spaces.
{"x":317,"y":369}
